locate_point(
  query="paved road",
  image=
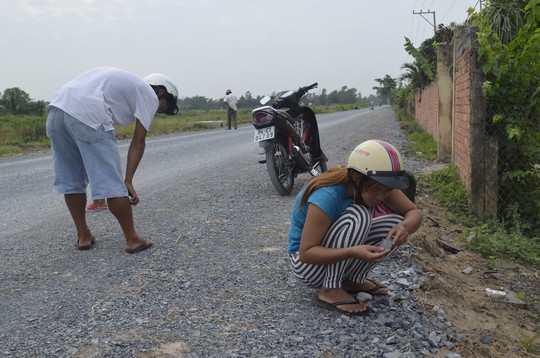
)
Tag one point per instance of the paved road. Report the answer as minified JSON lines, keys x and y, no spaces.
{"x":216,"y":283}
{"x":30,"y":204}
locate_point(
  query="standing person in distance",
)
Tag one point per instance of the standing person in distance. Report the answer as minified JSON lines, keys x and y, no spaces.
{"x":230,"y":100}
{"x":80,"y":124}
{"x":333,"y":240}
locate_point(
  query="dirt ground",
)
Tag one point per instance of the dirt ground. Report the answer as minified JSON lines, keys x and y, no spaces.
{"x":493,"y":327}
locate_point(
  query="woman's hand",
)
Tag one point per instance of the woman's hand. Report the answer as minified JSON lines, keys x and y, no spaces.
{"x":369,"y":253}
{"x":399,"y":234}
{"x":412,"y":217}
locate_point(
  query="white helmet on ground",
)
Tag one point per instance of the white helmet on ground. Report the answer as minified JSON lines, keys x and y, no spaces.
{"x":159,"y":79}
{"x":381,"y":162}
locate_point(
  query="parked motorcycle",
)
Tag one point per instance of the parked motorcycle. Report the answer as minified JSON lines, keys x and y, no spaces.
{"x":289,"y":135}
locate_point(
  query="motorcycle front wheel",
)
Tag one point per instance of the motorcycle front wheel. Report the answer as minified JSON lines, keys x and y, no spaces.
{"x":280,"y":168}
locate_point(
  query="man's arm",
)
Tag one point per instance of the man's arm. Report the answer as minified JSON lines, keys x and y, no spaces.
{"x":135,"y":153}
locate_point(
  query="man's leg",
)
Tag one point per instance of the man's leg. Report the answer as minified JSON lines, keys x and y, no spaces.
{"x":234,"y":117}
{"x":76,"y":204}
{"x":121,"y":209}
{"x":229,"y":117}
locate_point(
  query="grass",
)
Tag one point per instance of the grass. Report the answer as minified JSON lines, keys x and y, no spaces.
{"x":26,"y":134}
{"x":531,"y":344}
{"x":422,"y":144}
{"x":490,"y":238}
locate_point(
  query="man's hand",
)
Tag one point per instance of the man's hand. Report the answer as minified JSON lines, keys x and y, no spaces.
{"x":133,"y":197}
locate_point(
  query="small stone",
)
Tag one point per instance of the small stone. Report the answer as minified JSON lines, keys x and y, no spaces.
{"x":364,"y":297}
{"x":511,"y":297}
{"x":486,"y":340}
{"x":403,"y":282}
{"x":495,"y":293}
{"x":386,"y":243}
{"x":394,"y":354}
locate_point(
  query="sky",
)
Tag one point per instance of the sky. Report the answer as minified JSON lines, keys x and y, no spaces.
{"x":208,"y":46}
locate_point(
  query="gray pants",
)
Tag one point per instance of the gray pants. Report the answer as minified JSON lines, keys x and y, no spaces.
{"x":231,"y":115}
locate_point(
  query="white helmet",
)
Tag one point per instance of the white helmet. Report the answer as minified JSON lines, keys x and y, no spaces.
{"x":381,"y":162}
{"x":159,"y":79}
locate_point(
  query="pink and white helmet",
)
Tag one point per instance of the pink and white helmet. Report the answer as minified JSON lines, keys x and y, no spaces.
{"x":381,"y":162}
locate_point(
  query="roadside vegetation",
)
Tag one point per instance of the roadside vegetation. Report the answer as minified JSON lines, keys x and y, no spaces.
{"x":22,"y":120}
{"x":21,"y":134}
{"x":508,"y":47}
{"x":496,"y":241}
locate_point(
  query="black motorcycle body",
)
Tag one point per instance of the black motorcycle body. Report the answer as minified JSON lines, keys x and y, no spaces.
{"x":289,"y":136}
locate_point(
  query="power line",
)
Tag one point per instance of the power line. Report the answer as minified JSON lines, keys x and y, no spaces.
{"x":412,"y":20}
{"x":422,"y":13}
{"x":450,"y":8}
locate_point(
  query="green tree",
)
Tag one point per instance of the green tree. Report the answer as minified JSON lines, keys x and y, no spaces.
{"x":428,"y":48}
{"x":387,"y":84}
{"x":421,"y":63}
{"x":414,"y":76}
{"x":15,"y":100}
{"x":323,"y":98}
{"x":509,"y":54}
{"x":505,"y":18}
{"x":347,"y":95}
{"x":248,"y":101}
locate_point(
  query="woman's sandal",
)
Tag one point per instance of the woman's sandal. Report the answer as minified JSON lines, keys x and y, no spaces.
{"x":334,"y":307}
{"x":374,"y":291}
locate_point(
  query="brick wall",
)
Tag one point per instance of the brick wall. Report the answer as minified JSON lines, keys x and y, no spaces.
{"x":462,"y":116}
{"x":427,"y":108}
{"x":468,"y":139}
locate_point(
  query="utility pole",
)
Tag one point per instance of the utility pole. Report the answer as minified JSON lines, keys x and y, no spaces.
{"x":421,"y":13}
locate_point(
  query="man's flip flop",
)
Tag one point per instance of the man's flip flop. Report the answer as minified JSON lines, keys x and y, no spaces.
{"x":85,"y":247}
{"x":146,"y":245}
{"x":334,"y":307}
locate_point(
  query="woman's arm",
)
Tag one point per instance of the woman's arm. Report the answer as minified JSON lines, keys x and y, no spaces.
{"x":315,"y":228}
{"x":412,"y":217}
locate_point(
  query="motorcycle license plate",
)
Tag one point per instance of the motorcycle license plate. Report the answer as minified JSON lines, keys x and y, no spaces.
{"x":264,"y":133}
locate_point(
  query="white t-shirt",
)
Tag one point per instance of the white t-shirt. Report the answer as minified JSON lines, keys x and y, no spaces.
{"x":231,"y":100}
{"x":108,"y":96}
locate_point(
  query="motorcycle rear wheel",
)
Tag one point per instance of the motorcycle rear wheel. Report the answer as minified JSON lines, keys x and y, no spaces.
{"x":280,"y":168}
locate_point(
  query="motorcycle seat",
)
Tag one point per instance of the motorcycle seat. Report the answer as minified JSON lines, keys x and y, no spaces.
{"x":285,"y":115}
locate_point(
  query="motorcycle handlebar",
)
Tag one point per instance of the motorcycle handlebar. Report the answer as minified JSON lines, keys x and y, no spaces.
{"x":307,"y":88}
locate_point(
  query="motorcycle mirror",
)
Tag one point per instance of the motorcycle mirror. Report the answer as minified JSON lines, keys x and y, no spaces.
{"x":265,"y":99}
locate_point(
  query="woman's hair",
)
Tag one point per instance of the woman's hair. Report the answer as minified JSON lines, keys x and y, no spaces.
{"x":336,"y":175}
{"x":411,"y":190}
